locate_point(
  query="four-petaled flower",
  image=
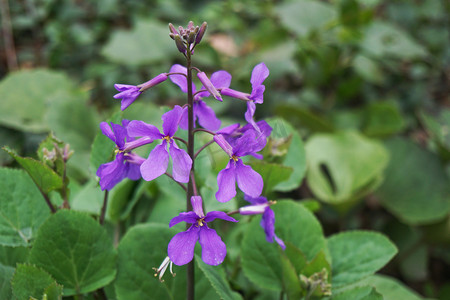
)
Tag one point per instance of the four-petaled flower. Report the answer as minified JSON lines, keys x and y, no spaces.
{"x":260,"y":205}
{"x":181,"y":246}
{"x":248,"y":180}
{"x":157,"y":162}
{"x":126,"y":164}
{"x":205,"y":114}
{"x":259,"y":74}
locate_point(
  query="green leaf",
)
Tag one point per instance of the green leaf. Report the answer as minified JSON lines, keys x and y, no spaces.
{"x":383,"y":40}
{"x":26,"y":96}
{"x":217,"y":278}
{"x":438,"y":127}
{"x":49,"y":144}
{"x":291,"y":280}
{"x":147,"y":42}
{"x":142,"y":248}
{"x":359,"y":293}
{"x":271,"y":173}
{"x":12,"y":139}
{"x":45,"y":178}
{"x":344,"y":166}
{"x":261,"y":260}
{"x":368,"y":69}
{"x":302,"y":17}
{"x":6,"y":274}
{"x":22,"y":208}
{"x":76,"y":251}
{"x":11,"y":256}
{"x":358,"y":254}
{"x":30,"y":281}
{"x":53,"y":292}
{"x":391,"y":288}
{"x":89,"y":199}
{"x":383,"y":119}
{"x":299,"y":116}
{"x":416,"y":187}
{"x":295,"y":157}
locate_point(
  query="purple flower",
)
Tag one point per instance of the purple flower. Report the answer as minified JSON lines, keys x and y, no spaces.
{"x":248,"y":181}
{"x":259,"y":74}
{"x":181,"y":247}
{"x":205,"y":114}
{"x":126,"y":164}
{"x":129,"y":93}
{"x":157,"y":162}
{"x":260,"y":205}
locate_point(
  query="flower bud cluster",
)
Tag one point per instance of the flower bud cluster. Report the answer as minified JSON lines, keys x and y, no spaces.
{"x":189,"y":37}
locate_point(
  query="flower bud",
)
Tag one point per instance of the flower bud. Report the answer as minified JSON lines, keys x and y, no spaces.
{"x":172,"y":29}
{"x":180,"y":45}
{"x":201,"y":32}
{"x":191,"y":37}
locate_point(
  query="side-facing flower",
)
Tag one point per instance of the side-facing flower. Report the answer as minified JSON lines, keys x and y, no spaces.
{"x":157,"y":162}
{"x":129,"y":93}
{"x":202,"y":112}
{"x":181,"y":247}
{"x":126,"y":164}
{"x":260,"y":206}
{"x":259,"y":74}
{"x":248,"y":180}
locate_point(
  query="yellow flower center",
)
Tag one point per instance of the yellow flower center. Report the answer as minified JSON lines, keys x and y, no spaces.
{"x":200,"y":222}
{"x":235,"y":158}
{"x":167,"y":138}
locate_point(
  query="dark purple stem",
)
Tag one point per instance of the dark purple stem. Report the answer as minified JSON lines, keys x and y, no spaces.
{"x":204,"y":130}
{"x":179,"y":183}
{"x":181,"y":140}
{"x":202,"y":148}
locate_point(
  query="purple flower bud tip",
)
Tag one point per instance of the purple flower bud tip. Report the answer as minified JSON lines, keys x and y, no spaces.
{"x":201,"y":32}
{"x":152,"y":82}
{"x":128,"y":94}
{"x":209,"y":86}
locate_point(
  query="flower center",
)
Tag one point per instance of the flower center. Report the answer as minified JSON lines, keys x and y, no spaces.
{"x":200,"y":222}
{"x":167,"y":138}
{"x":235,"y":158}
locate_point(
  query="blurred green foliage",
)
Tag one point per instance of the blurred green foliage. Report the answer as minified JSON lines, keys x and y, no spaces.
{"x":360,"y":90}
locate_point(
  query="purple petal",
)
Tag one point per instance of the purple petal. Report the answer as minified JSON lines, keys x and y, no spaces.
{"x":197,"y":206}
{"x":181,"y":163}
{"x":249,"y":181}
{"x":206,"y":116}
{"x":268,"y":224}
{"x":257,"y":94}
{"x":123,"y":87}
{"x":221,"y":79}
{"x":181,"y":246}
{"x":128,"y":93}
{"x":259,"y":74}
{"x":120,"y":134}
{"x":180,"y":80}
{"x":256,"y":200}
{"x":140,"y":128}
{"x":213,"y":249}
{"x":188,"y":217}
{"x":227,"y":183}
{"x":152,"y":82}
{"x":212,"y":215}
{"x":171,"y":119}
{"x":184,"y":120}
{"x":156,"y":163}
{"x":235,"y":94}
{"x":246,"y":144}
{"x":251,"y":108}
{"x":222,"y":142}
{"x":229,"y":129}
{"x":111,"y":173}
{"x":133,"y":171}
{"x":106,"y":130}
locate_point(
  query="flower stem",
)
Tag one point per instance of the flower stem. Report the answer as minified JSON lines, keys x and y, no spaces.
{"x":202,"y":148}
{"x":103,"y":211}
{"x":205,"y":130}
{"x":179,"y":183}
{"x":190,"y":291}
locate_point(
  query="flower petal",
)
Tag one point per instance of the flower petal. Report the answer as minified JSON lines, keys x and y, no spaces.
{"x":106,"y":130}
{"x":188,"y":217}
{"x":171,"y":119}
{"x":181,"y":246}
{"x":229,"y":129}
{"x":223,"y":143}
{"x":221,"y":79}
{"x":181,"y":163}
{"x":156,"y":163}
{"x":120,"y":133}
{"x":133,"y":171}
{"x":140,"y":128}
{"x":197,"y":206}
{"x":111,"y":173}
{"x":212,"y":215}
{"x":249,"y":114}
{"x":259,"y":74}
{"x":180,"y":80}
{"x":227,"y":183}
{"x":268,"y":224}
{"x":184,"y":120}
{"x":213,"y":249}
{"x":255,"y":200}
{"x":248,"y":180}
{"x":257,"y":94}
{"x":206,"y":116}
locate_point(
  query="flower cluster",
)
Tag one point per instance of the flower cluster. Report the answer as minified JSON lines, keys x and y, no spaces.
{"x":236,"y":141}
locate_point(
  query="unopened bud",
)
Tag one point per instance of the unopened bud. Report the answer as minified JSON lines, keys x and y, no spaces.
{"x":180,"y":45}
{"x":191,"y":37}
{"x":190,"y":25}
{"x":172,"y":29}
{"x":201,"y":32}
